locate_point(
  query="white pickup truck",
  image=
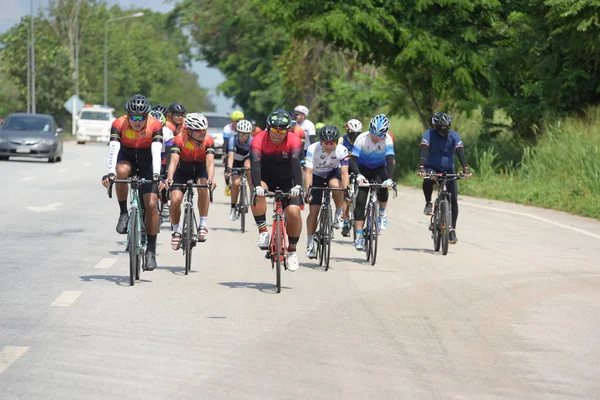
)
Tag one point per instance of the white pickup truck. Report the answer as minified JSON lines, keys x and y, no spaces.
{"x":93,"y":124}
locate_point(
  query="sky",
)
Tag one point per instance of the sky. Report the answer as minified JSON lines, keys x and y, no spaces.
{"x":210,"y":78}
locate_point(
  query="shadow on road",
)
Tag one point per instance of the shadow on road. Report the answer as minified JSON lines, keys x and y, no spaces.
{"x":227,"y":229}
{"x":179,"y":270}
{"x":117,"y":279}
{"x":263,"y":287}
{"x":429,"y":251}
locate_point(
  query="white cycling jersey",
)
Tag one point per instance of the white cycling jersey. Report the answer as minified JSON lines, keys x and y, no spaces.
{"x":167,"y":136}
{"x":309,"y":133}
{"x":324,"y":164}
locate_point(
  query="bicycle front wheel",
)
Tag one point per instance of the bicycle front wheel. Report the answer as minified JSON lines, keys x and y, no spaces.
{"x":367,"y":231}
{"x":435,"y":228}
{"x":374,"y":232}
{"x":242,"y":206}
{"x":132,"y":239}
{"x":444,"y":225}
{"x":188,"y":231}
{"x":327,"y":234}
{"x":323,"y":218}
{"x":278,"y":254}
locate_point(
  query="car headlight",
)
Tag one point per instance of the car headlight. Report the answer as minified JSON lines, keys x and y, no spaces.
{"x":48,"y":141}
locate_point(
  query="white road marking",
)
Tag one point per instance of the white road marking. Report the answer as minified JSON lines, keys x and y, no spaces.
{"x":546,"y":220}
{"x":62,"y":170}
{"x":49,"y":207}
{"x":27,"y":178}
{"x":67,"y":298}
{"x":9,"y":355}
{"x":106,"y":263}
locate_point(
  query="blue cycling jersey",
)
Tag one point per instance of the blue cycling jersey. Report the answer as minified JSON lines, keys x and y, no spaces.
{"x":240,"y":151}
{"x":441,"y":149}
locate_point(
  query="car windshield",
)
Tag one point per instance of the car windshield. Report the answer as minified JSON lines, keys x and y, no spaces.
{"x":218,"y":122}
{"x":27,"y":124}
{"x":95,"y":116}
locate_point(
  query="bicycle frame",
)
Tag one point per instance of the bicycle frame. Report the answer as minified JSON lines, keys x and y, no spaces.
{"x":439,"y":228}
{"x":325,"y":232}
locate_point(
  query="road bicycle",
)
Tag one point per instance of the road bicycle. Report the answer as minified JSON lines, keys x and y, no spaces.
{"x":324,"y":233}
{"x":277,"y":251}
{"x":190,"y":228}
{"x":441,"y":219}
{"x":241,"y":209}
{"x":371,"y":229}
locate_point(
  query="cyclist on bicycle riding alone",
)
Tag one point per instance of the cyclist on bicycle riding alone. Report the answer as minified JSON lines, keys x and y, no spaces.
{"x":136,"y":140}
{"x":192,"y":158}
{"x":326,"y":165}
{"x":438,"y":147}
{"x":239,"y":157}
{"x":353,"y":128}
{"x":372,"y":159}
{"x":275,"y":164}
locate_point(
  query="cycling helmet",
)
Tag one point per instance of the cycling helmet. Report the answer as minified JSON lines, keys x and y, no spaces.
{"x":441,"y":119}
{"x":279,"y":119}
{"x":244,"y":126}
{"x":237,"y":115}
{"x":379,"y":125}
{"x":138,"y":104}
{"x":159,"y":116}
{"x":354,"y":126}
{"x":161,"y":108}
{"x":196,"y":122}
{"x":301,"y":109}
{"x":177,"y":108}
{"x":329,"y":133}
{"x":319,"y":125}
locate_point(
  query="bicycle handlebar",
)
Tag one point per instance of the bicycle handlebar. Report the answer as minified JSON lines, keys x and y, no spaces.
{"x":238,"y":169}
{"x":190,"y":185}
{"x":380,"y":186}
{"x":142,"y":181}
{"x":434,"y":175}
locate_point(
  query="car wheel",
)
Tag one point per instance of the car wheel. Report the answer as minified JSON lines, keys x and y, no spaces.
{"x":59,"y":159}
{"x":3,"y":158}
{"x":80,"y":142}
{"x":52,"y":160}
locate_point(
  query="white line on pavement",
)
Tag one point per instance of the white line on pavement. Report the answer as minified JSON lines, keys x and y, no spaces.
{"x":9,"y":355}
{"x":49,"y":207}
{"x":62,"y":170}
{"x":67,"y":298}
{"x":106,"y":263}
{"x":27,"y":178}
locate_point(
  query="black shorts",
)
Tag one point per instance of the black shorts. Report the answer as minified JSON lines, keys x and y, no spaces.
{"x":189,"y":170}
{"x":237,"y":164}
{"x":140,"y":161}
{"x":317,"y":195}
{"x":283,"y":183}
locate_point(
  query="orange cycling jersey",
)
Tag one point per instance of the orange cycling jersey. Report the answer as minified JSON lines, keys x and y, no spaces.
{"x":120,"y":131}
{"x":299,"y":131}
{"x":175,"y":129}
{"x":191,"y":150}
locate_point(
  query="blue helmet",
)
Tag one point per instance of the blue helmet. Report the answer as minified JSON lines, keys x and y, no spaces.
{"x":379,"y":126}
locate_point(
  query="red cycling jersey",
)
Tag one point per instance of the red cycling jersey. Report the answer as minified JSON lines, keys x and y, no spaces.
{"x":192,"y":151}
{"x":142,"y":139}
{"x":275,"y":159}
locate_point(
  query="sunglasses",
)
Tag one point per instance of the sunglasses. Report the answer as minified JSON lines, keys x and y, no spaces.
{"x":178,"y":115}
{"x":278,"y":131}
{"x":199,"y":131}
{"x":327,"y":142}
{"x":138,"y":118}
{"x":379,"y":135}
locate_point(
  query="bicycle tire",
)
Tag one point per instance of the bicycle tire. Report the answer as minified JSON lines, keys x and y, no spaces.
{"x":435,"y":226}
{"x":327,"y":242}
{"x":242,"y":207}
{"x":277,"y":255}
{"x":445,"y":225}
{"x":321,"y":238}
{"x":366,"y":231}
{"x":374,"y":233}
{"x":132,"y":242}
{"x":188,"y":229}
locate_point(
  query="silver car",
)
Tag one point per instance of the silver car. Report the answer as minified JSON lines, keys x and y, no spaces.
{"x":216,"y":123}
{"x":31,"y":135}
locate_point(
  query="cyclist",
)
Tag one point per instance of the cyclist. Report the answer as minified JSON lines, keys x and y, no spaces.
{"x":159,"y":107}
{"x":300,"y":116}
{"x":353,"y":128}
{"x":239,"y":157}
{"x":326,"y":165}
{"x":229,"y":130}
{"x":438,"y":147}
{"x":192,"y":158}
{"x":175,"y":115}
{"x":134,"y":149}
{"x":275,"y":163}
{"x":372,"y":159}
{"x":164,"y":156}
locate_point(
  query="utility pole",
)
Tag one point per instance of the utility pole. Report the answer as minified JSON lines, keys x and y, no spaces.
{"x":28,"y":73}
{"x":32,"y":61}
{"x":77,"y":47}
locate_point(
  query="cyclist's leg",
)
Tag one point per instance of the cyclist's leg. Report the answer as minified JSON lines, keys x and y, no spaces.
{"x":315,"y":207}
{"x":428,"y":187}
{"x":452,"y":189}
{"x":248,"y":177}
{"x":291,"y":209}
{"x":181,"y":176}
{"x":361,"y":199}
{"x":201,"y":177}
{"x":259,"y":211}
{"x":338,"y":198}
{"x":123,"y":172}
{"x":235,"y":180}
{"x":150,"y":195}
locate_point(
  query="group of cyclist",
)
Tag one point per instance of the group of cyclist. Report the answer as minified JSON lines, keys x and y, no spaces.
{"x":166,"y":146}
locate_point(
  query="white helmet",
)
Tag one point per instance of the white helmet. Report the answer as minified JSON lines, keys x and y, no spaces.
{"x":354,"y":126}
{"x":244,"y":126}
{"x":302,"y":110}
{"x":196,"y":122}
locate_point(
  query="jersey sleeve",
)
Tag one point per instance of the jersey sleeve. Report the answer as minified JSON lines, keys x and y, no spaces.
{"x":308,"y":163}
{"x":177,"y":145}
{"x":227,"y":132}
{"x":231,"y":147}
{"x":342,"y":155}
{"x":457,"y":140}
{"x":210,"y":145}
{"x":357,"y":148}
{"x":426,"y":138}
{"x":389,"y":146}
{"x":116,"y":129}
{"x":156,"y":129}
{"x":167,"y":135}
{"x":310,"y":128}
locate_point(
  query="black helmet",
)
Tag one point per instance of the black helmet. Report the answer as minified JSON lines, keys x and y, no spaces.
{"x":161,"y":108}
{"x":329,"y":133}
{"x":441,"y":119}
{"x":177,"y":108}
{"x":279,"y":119}
{"x":138,"y":105}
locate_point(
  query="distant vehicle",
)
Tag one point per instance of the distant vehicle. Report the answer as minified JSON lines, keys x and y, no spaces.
{"x":216,"y":123}
{"x":93,"y":123}
{"x":31,"y":135}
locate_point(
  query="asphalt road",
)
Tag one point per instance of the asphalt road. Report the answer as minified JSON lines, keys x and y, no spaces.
{"x":511,"y":312}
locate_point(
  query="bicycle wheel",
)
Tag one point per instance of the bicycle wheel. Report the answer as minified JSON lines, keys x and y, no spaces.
{"x":242,"y":207}
{"x":435,"y":228}
{"x":278,"y":244}
{"x":323,"y":217}
{"x":328,"y":232}
{"x":444,"y":225}
{"x":374,"y":233}
{"x":188,"y":231}
{"x":132,"y":233}
{"x":367,"y":231}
